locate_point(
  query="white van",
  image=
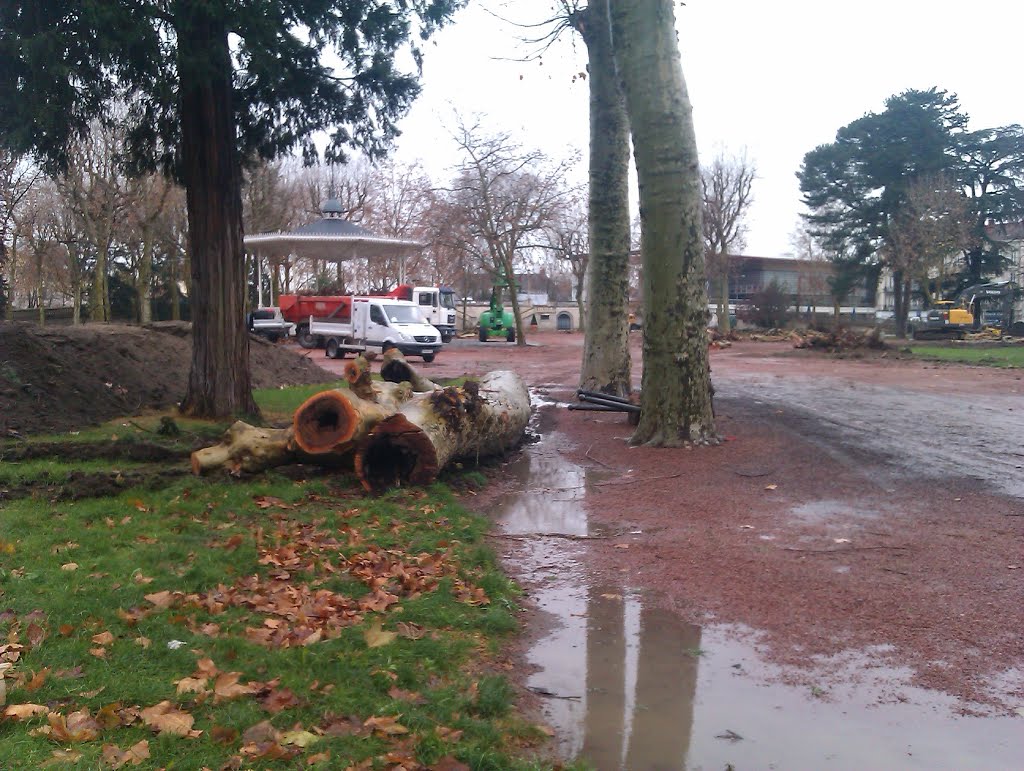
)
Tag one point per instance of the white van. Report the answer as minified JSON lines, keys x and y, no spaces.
{"x":377,"y":324}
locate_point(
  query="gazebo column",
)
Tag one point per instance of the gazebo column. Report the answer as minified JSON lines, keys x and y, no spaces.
{"x":275,"y":280}
{"x":259,"y":279}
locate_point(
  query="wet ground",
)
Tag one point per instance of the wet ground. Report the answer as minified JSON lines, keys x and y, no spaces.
{"x":838,"y":585}
{"x":628,"y":685}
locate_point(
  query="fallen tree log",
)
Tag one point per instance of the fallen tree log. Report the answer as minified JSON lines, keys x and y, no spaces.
{"x":248,"y":448}
{"x":395,"y":369}
{"x":334,"y":421}
{"x":481,"y":418}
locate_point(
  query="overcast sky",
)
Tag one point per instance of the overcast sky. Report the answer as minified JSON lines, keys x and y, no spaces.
{"x":776,"y":79}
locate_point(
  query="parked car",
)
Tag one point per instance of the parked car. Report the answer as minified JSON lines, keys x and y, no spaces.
{"x":269,"y":323}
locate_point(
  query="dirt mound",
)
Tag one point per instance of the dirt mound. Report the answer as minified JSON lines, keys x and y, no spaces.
{"x":55,"y":379}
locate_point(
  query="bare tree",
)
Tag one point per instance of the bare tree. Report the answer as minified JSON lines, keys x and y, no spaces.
{"x":568,"y":241}
{"x":95,"y":188}
{"x":17,"y":178}
{"x":508,"y":197}
{"x":934,"y":224}
{"x":726,"y":195}
{"x":676,"y":394}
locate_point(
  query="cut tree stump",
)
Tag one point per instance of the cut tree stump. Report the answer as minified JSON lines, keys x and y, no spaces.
{"x":334,"y":421}
{"x":248,"y":448}
{"x":481,"y":418}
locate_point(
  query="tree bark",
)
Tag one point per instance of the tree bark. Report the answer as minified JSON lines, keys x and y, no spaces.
{"x":145,"y":279}
{"x":175,"y":273}
{"x":676,"y":393}
{"x":412,"y":446}
{"x":606,"y":361}
{"x":395,"y":369}
{"x":250,"y":448}
{"x":219,"y":383}
{"x":13,"y":275}
{"x":899,"y":304}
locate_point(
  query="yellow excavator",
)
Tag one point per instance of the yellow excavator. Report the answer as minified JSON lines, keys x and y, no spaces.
{"x":955,"y":318}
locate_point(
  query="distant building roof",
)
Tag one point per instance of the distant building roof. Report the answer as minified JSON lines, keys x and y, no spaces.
{"x":330,"y":238}
{"x":1005,"y":231}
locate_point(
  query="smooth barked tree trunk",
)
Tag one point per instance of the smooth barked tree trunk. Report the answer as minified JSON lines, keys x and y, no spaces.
{"x":676,"y":386}
{"x":606,"y":362}
{"x":219,"y":383}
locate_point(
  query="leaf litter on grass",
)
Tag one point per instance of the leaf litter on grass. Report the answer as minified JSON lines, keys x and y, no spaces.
{"x":290,"y":576}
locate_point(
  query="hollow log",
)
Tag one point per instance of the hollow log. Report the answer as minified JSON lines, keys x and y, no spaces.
{"x":248,"y":448}
{"x":479,"y":419}
{"x":333,"y":421}
{"x":395,"y":369}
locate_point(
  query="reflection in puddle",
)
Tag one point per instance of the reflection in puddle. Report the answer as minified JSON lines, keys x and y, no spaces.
{"x":627,"y":686}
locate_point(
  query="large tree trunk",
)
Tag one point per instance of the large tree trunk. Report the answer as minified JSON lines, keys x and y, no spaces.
{"x":479,"y":419}
{"x":724,"y":323}
{"x":513,"y":293}
{"x":606,"y":362}
{"x":899,"y":304}
{"x":99,"y":299}
{"x":676,"y":387}
{"x":145,"y":279}
{"x":219,"y":383}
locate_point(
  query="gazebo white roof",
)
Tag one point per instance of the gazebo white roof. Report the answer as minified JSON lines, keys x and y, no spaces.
{"x":330,"y":238}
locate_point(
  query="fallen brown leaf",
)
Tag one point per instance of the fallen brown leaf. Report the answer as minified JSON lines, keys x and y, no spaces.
{"x":162,"y":599}
{"x":386,"y":725}
{"x":77,"y":727}
{"x":376,"y":637}
{"x":279,"y":699}
{"x":191,"y":685}
{"x":449,"y":763}
{"x":103,"y":638}
{"x":227,"y":687}
{"x":25,"y":711}
{"x":36,"y":681}
{"x":61,"y":758}
{"x":224,"y":734}
{"x":134,"y":755}
{"x":261,"y":732}
{"x":36,"y":634}
{"x":165,"y":718}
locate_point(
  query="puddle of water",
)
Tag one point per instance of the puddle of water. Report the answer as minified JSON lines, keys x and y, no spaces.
{"x":628,"y":686}
{"x":827,"y":510}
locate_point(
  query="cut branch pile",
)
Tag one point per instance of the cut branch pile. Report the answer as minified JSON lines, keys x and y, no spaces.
{"x":841,"y":340}
{"x":404,"y":430}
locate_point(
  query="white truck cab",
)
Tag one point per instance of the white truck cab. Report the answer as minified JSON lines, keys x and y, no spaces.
{"x":377,"y":324}
{"x":438,"y":307}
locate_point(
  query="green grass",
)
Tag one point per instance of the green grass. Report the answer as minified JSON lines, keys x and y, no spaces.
{"x":990,"y":356}
{"x":280,"y":403}
{"x":81,"y":635}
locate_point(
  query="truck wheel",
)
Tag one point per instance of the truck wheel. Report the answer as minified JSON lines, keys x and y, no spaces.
{"x":446,"y":337}
{"x":511,"y":336}
{"x":483,"y":334}
{"x":428,"y":357}
{"x":332,"y":349}
{"x":306,"y":340}
{"x":386,"y":346}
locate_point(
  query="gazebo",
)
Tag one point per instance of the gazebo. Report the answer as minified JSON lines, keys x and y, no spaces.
{"x":331,"y":238}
